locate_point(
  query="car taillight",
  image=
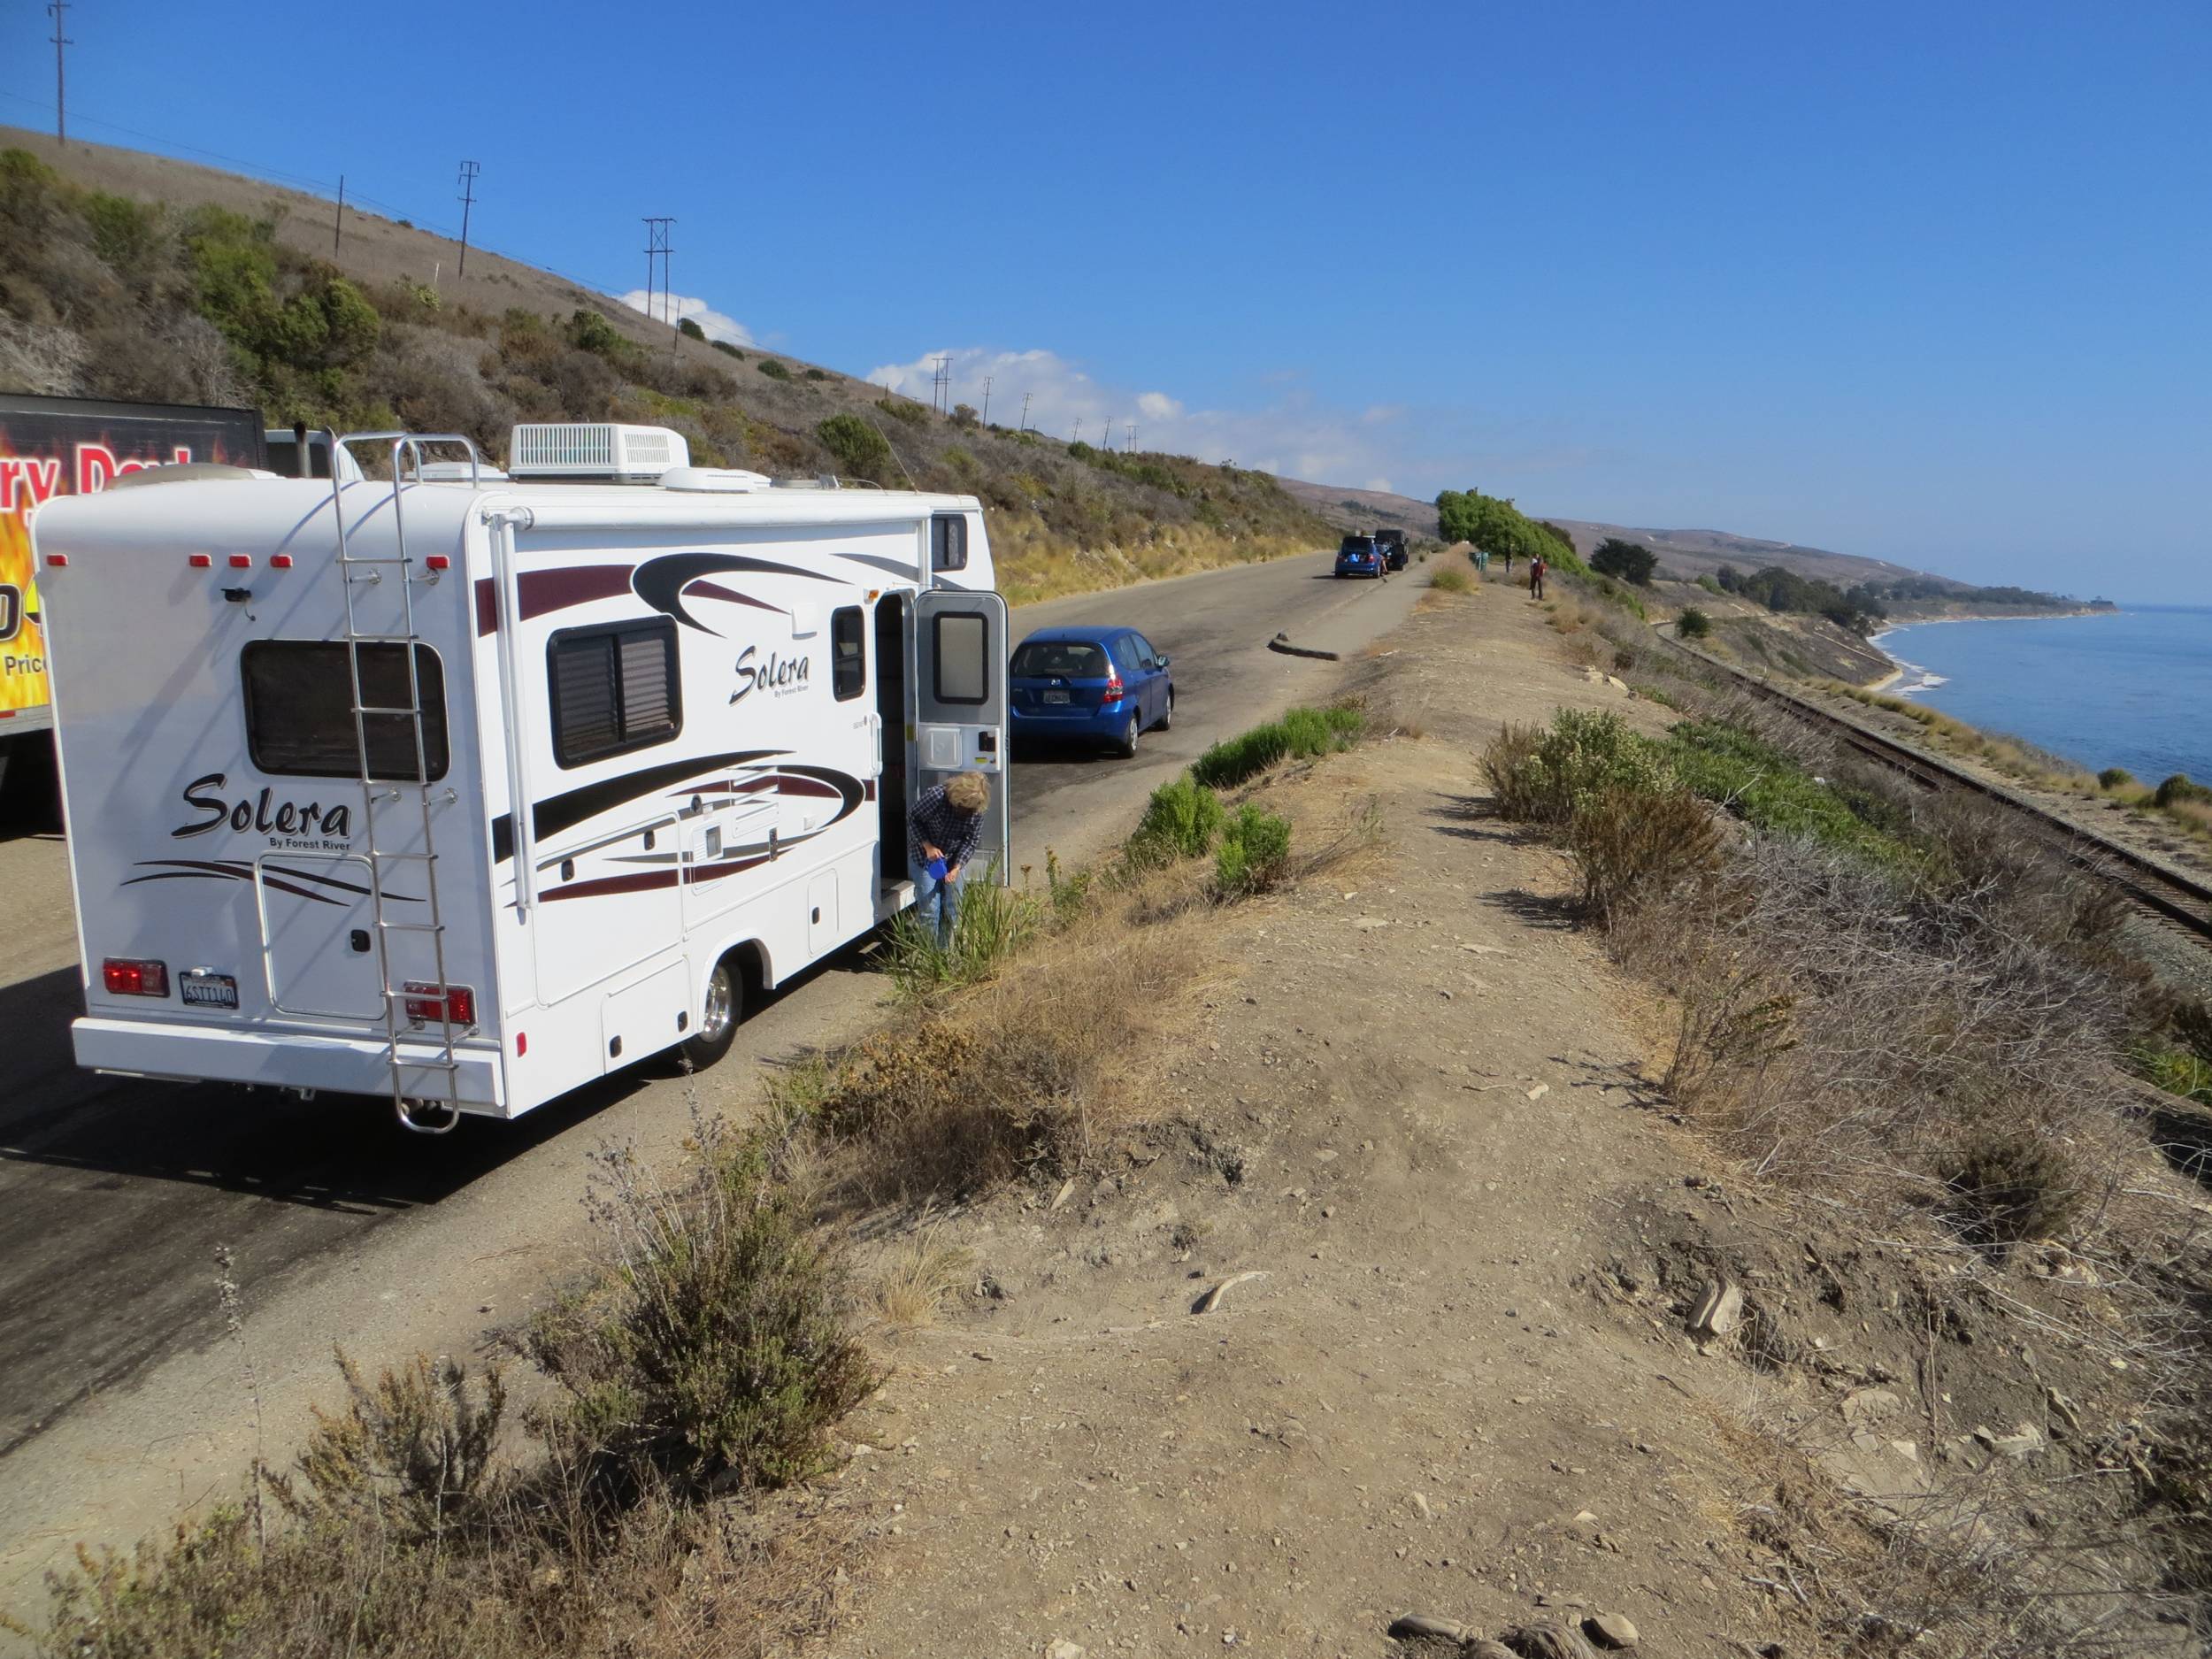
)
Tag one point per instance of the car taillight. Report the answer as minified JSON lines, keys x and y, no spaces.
{"x":126,"y":977}
{"x":1112,"y":693}
{"x":424,"y":1003}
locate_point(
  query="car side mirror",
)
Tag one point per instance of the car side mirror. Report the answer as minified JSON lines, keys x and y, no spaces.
{"x":1159,"y":662}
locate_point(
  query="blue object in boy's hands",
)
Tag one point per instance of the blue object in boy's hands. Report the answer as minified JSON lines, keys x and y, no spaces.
{"x":936,"y":869}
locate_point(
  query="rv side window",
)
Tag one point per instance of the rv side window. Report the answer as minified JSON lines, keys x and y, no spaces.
{"x":849,"y":666}
{"x":614,"y":689}
{"x":962,"y":656}
{"x":949,"y":542}
{"x":299,"y":710}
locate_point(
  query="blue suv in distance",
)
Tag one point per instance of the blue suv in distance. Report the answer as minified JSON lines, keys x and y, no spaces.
{"x":1360,"y":556}
{"x":1094,"y":684}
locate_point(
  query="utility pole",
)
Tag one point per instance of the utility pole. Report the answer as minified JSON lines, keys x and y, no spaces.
{"x":1024,"y":425}
{"x":469,"y":169}
{"x":1132,"y":448}
{"x":54,"y":10}
{"x":941,"y":387}
{"x":657,"y":248}
{"x":338,"y":221}
{"x":1079,"y":431}
{"x":987,"y":399}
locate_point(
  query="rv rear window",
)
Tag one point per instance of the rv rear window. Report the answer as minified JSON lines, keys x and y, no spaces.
{"x":949,"y":542}
{"x":849,"y":661}
{"x":299,"y":710}
{"x":614,"y":689}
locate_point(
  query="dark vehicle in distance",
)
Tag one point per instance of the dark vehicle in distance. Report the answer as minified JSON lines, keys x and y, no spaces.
{"x":1089,"y":685}
{"x":1360,"y":556}
{"x":1393,"y":544}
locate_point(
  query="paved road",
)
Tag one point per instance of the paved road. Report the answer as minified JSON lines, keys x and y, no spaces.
{"x":118,"y":1393}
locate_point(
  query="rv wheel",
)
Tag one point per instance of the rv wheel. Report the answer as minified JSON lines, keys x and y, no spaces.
{"x":718,"y":1014}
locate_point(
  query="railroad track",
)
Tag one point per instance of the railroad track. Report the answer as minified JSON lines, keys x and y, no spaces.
{"x":2173,"y":897}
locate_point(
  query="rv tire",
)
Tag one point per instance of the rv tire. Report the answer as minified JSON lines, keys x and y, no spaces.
{"x":720,"y":1010}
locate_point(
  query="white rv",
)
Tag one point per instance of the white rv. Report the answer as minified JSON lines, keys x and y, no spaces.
{"x":469,"y":792}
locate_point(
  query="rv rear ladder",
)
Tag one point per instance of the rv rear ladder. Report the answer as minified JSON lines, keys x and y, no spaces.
{"x":405,"y":447}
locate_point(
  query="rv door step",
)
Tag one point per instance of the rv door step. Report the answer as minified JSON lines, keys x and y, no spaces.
{"x":409,"y":927}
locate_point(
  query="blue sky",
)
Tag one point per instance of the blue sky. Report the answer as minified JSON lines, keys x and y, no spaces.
{"x":1924,"y":282}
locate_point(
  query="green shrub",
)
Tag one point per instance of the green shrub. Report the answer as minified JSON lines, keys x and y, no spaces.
{"x":904,"y":409}
{"x":1711,"y":586}
{"x":689,"y":329}
{"x":1771,"y":791}
{"x":1253,"y":854}
{"x":588,"y":331}
{"x":993,"y":922}
{"x":772,"y":369}
{"x":1180,"y":821}
{"x":2180,"y":789}
{"x":1630,"y":561}
{"x":2011,"y":1186}
{"x":412,"y":1453}
{"x":2176,"y":1070}
{"x":1543,"y":776}
{"x":1303,"y":733}
{"x":719,"y":1354}
{"x":859,"y":448}
{"x":816,"y":374}
{"x":1082,"y":451}
{"x":1693,"y":624}
{"x":1629,"y":841}
{"x":1452,"y":579}
{"x":2115,"y":778}
{"x":728,"y":350}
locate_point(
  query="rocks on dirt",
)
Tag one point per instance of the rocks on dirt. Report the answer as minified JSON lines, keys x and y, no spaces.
{"x":2026,"y":1440}
{"x":1610,"y":1630}
{"x":1864,"y":1406}
{"x":1210,"y":1300}
{"x":1719,"y":1310}
{"x":1546,"y":1641}
{"x":1060,"y":1648}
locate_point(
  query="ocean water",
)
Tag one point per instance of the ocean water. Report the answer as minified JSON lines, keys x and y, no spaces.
{"x":2132,"y":688}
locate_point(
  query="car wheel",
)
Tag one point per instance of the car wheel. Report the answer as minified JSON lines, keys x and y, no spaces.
{"x":721,"y":1009}
{"x":1167,"y":715}
{"x":1127,"y":746}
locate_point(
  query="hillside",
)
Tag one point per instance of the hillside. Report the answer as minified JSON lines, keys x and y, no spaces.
{"x":134,"y":276}
{"x":1687,"y":554}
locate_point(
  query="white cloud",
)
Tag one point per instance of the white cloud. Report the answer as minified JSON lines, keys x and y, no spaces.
{"x":1382,"y":484}
{"x":715,"y":325}
{"x":1157,"y":406}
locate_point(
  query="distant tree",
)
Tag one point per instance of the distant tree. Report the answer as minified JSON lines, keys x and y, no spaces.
{"x":1625,"y":560}
{"x":861,"y":450}
{"x":1692,"y":624}
{"x":964,"y":415}
{"x":728,"y":350}
{"x":588,"y":331}
{"x":772,"y":369}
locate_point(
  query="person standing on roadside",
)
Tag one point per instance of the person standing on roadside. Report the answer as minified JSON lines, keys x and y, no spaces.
{"x":1537,"y":570}
{"x":1509,"y":564}
{"x":943,"y":829}
{"x":1482,"y":560}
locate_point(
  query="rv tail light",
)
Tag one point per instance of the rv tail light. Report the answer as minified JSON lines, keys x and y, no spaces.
{"x":202,"y":561}
{"x":522,"y":1044}
{"x":57,"y":561}
{"x":280,"y":560}
{"x":242,"y":561}
{"x":126,"y":977}
{"x":437,"y":562}
{"x":424,"y":1003}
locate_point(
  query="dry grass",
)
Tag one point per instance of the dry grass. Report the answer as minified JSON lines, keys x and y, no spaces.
{"x":918,"y":1278}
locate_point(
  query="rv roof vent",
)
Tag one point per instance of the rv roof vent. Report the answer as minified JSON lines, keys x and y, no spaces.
{"x":460,"y":472}
{"x":714,"y":480}
{"x":597,"y":450}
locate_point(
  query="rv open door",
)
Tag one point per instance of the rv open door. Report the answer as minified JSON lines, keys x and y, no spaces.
{"x":960,"y":651}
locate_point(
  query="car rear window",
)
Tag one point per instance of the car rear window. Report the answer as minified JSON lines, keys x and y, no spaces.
{"x":1040,"y":659}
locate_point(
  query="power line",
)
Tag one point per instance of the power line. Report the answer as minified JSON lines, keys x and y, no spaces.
{"x":657,"y":248}
{"x":54,"y":10}
{"x":469,"y":169}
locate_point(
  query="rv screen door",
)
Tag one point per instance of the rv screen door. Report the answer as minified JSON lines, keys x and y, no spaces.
{"x":959,"y":702}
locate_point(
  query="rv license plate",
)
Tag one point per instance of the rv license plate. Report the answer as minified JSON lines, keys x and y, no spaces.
{"x":201,"y":989}
{"x":1055,"y":696}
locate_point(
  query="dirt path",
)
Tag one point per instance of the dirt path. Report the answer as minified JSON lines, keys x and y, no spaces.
{"x":1410,"y":1122}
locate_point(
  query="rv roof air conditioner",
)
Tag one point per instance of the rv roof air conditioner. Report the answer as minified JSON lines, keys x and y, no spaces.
{"x":597,"y":450}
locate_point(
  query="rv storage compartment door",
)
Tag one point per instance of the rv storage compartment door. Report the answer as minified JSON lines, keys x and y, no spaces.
{"x":316,"y":917}
{"x":960,"y":651}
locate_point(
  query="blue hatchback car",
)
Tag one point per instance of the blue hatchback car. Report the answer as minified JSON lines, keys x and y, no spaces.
{"x":1360,"y":556}
{"x":1097,"y":685}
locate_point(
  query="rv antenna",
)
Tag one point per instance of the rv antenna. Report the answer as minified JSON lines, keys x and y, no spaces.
{"x":469,"y":169}
{"x":54,"y":10}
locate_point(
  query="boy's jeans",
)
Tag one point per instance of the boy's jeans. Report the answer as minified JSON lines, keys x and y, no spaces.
{"x":936,"y":903}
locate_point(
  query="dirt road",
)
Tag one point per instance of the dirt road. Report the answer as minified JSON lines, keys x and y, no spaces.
{"x":120,"y":1396}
